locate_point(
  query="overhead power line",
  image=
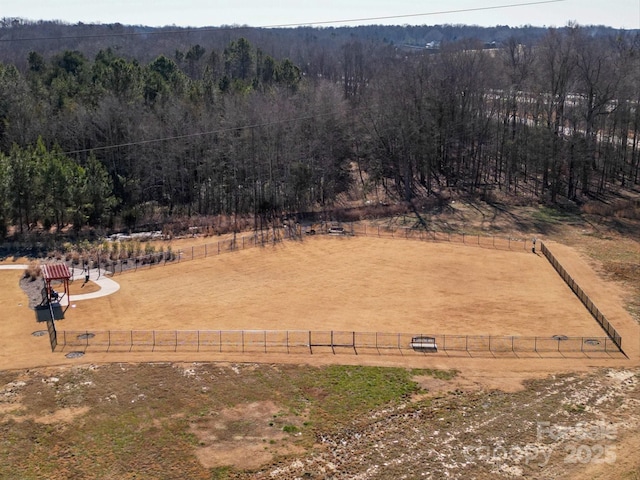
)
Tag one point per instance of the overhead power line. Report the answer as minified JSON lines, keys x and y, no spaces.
{"x":286,"y":25}
{"x":413,"y":15}
{"x":163,"y":31}
{"x":198,"y":134}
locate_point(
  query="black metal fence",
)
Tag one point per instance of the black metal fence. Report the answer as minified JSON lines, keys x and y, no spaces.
{"x":298,"y":232}
{"x":300,"y":341}
{"x":250,"y":340}
{"x":171,"y":256}
{"x":584,"y":298}
{"x":487,"y":241}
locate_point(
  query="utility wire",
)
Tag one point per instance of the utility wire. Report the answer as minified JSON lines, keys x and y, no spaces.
{"x":413,"y":15}
{"x":198,"y":134}
{"x":161,"y":31}
{"x":286,"y":25}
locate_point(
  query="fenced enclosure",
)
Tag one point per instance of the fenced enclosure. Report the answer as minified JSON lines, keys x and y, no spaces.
{"x":338,"y":341}
{"x":584,"y":298}
{"x":306,"y":341}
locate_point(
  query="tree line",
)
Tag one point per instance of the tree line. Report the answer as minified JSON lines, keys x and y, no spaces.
{"x":107,"y":140}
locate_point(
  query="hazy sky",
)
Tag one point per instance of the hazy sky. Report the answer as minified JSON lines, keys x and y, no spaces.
{"x":197,"y":13}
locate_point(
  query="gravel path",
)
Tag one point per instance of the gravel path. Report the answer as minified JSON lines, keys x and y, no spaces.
{"x":33,"y":288}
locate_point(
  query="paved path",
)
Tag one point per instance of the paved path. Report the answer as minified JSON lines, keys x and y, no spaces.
{"x":107,"y":286}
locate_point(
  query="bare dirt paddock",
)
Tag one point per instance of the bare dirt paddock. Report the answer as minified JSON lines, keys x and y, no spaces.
{"x":346,"y":284}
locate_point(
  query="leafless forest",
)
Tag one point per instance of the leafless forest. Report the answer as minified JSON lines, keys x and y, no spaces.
{"x":112,"y":126}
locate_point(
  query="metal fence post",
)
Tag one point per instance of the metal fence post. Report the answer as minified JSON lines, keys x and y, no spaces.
{"x":238,"y":338}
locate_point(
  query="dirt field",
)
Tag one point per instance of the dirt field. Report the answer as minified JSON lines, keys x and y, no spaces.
{"x":342,"y":284}
{"x":346,"y":284}
{"x":362,"y":284}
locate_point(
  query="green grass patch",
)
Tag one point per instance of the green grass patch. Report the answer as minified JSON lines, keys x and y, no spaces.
{"x":221,"y":473}
{"x":341,"y":392}
{"x":555,"y":215}
{"x":290,"y":429}
{"x":439,"y":374}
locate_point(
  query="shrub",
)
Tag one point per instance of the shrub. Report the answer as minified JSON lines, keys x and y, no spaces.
{"x":620,"y":208}
{"x":32,"y":272}
{"x":289,"y":429}
{"x":149,"y":249}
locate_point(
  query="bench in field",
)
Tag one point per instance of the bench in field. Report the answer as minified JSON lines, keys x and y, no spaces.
{"x":424,"y":344}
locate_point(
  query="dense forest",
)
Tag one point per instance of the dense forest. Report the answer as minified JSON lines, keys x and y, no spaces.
{"x":110,"y":126}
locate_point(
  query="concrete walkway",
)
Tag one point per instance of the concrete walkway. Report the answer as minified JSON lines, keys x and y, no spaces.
{"x":107,"y":286}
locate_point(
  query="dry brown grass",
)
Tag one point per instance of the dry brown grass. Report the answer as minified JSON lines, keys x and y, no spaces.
{"x":628,"y":208}
{"x":80,"y":287}
{"x":347,"y":284}
{"x":33,"y":271}
{"x":161,"y":420}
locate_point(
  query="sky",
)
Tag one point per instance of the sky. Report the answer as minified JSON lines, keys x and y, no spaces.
{"x":261,"y":13}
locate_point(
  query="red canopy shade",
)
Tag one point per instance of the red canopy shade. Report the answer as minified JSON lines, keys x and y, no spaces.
{"x":58,"y":271}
